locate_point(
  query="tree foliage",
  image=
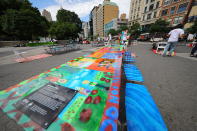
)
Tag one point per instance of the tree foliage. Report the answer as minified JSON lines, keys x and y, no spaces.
{"x":68,"y":25}
{"x":20,"y":21}
{"x":193,"y":28}
{"x":135,"y":29}
{"x":160,"y":26}
{"x":63,"y":30}
{"x":113,"y":32}
{"x":122,"y":28}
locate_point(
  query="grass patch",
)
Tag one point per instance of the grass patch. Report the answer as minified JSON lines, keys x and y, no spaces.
{"x":40,"y":44}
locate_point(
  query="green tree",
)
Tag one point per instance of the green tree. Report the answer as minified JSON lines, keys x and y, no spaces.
{"x":122,"y":28}
{"x":20,"y":21}
{"x":68,"y":25}
{"x":68,"y":16}
{"x":193,"y":28}
{"x":160,"y":26}
{"x":113,"y":32}
{"x":25,"y":24}
{"x":135,"y":29}
{"x":63,"y":30}
{"x":8,"y":23}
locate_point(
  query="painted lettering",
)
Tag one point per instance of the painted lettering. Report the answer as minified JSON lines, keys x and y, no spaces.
{"x":114,"y":99}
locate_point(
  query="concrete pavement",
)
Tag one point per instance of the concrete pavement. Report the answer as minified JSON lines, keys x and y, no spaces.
{"x":12,"y":73}
{"x":172,"y":83}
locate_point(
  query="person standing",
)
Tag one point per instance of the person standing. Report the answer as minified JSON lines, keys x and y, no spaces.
{"x":174,"y":36}
{"x":194,"y":49}
{"x":109,"y":39}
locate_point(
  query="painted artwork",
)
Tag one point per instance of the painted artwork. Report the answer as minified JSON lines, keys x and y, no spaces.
{"x":91,"y":100}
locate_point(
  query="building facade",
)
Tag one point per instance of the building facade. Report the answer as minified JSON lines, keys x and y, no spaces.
{"x":175,"y":11}
{"x":135,"y":12}
{"x":192,"y":15}
{"x":86,"y":29}
{"x":105,"y":13}
{"x":94,"y":20}
{"x":91,"y":24}
{"x":150,"y":12}
{"x":116,"y":24}
{"x":47,"y":15}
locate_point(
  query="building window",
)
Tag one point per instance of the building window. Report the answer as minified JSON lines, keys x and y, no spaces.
{"x":178,"y":20}
{"x":192,"y":18}
{"x":145,"y":9}
{"x":164,"y":12}
{"x":143,"y":17}
{"x":151,"y":7}
{"x":155,"y":15}
{"x":157,"y":4}
{"x":149,"y":16}
{"x":146,"y":1}
{"x":175,"y":0}
{"x":172,"y":11}
{"x":166,"y":2}
{"x":182,"y":7}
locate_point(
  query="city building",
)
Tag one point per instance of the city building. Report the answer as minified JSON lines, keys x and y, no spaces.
{"x":94,"y":20}
{"x":150,"y":12}
{"x":175,"y":11}
{"x":91,"y":24}
{"x":115,"y":24}
{"x":192,"y":15}
{"x":86,"y":29}
{"x":47,"y":15}
{"x":135,"y":12}
{"x":105,"y":13}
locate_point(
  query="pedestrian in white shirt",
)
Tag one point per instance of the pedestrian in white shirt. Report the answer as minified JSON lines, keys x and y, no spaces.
{"x":174,"y":36}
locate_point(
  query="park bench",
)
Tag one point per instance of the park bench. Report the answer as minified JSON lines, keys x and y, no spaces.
{"x":61,"y":48}
{"x":97,"y":44}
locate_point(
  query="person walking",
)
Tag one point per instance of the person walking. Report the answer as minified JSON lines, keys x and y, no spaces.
{"x":174,"y":36}
{"x":194,"y":49}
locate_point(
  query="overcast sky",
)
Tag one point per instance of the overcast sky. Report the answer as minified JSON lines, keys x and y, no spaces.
{"x":81,"y":7}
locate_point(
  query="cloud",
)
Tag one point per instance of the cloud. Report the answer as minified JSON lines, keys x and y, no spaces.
{"x":84,"y":7}
{"x":60,"y":1}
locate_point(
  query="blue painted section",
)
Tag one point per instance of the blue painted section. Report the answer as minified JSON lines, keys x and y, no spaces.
{"x":112,"y":55}
{"x":128,"y":57}
{"x":133,"y":73}
{"x":142,"y":113}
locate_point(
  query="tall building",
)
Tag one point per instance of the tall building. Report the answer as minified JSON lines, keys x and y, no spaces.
{"x":47,"y":15}
{"x":105,"y":13}
{"x":135,"y":12}
{"x":86,"y":29}
{"x":175,"y":11}
{"x":115,"y":24}
{"x":192,"y":15}
{"x":91,"y":23}
{"x":150,"y":12}
{"x":94,"y":20}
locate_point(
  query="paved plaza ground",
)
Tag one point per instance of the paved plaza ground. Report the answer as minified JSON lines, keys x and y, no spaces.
{"x":171,"y":80}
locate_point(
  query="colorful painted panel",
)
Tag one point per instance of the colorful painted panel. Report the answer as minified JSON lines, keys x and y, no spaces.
{"x":101,"y":64}
{"x":99,"y":53}
{"x":133,"y":73}
{"x":95,"y":104}
{"x":141,"y":111}
{"x":81,"y":62}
